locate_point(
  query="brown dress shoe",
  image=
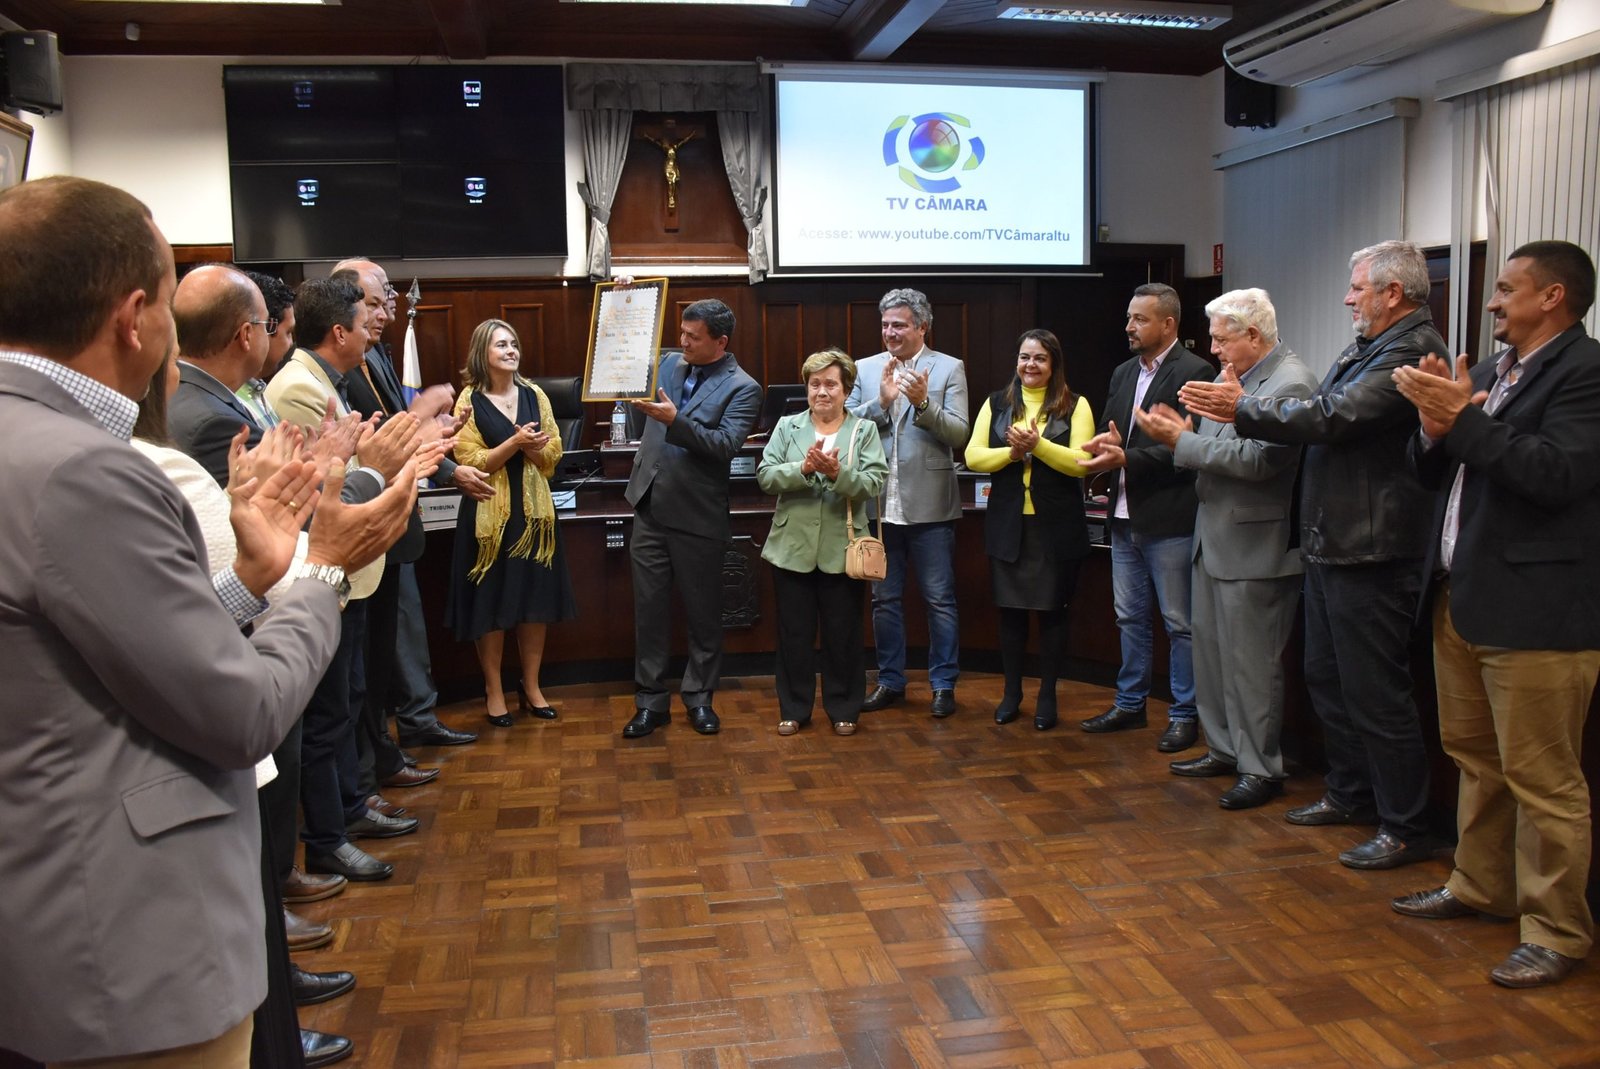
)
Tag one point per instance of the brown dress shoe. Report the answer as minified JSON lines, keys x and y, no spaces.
{"x":304,"y":934}
{"x":1531,"y":965}
{"x":1435,"y":905}
{"x":300,"y":887}
{"x":411,"y":777}
{"x":384,"y":806}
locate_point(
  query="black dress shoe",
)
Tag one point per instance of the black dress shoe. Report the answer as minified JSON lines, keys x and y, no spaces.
{"x":1326,"y":811}
{"x":881,"y":697}
{"x":703,"y":719}
{"x":437,"y":734}
{"x":1250,"y":792}
{"x":1531,"y":965}
{"x":1044,"y":713}
{"x":303,"y":934}
{"x":382,"y":805}
{"x":312,"y":987}
{"x":1180,"y":735}
{"x":1384,"y":851}
{"x":644,"y":722}
{"x":1115,"y":718}
{"x":323,"y":1048}
{"x":1201,"y":767}
{"x":1006,"y":711}
{"x":1435,"y":905}
{"x":351,"y":862}
{"x":374,"y":825}
{"x":538,"y":712}
{"x":944,"y":703}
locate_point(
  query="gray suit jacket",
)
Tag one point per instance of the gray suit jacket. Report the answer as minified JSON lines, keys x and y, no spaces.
{"x":684,"y":466}
{"x":133,"y":711}
{"x":925,"y":466}
{"x":203,"y":418}
{"x":1245,"y":526}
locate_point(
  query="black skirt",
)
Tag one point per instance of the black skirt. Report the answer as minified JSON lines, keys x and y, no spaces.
{"x":1040,"y":578}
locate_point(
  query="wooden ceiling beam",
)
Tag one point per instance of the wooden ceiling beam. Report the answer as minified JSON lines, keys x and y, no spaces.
{"x":460,"y":26}
{"x":885,"y":26}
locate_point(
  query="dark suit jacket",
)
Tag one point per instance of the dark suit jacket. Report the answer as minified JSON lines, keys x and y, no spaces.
{"x":684,"y":466}
{"x":1161,"y":497}
{"x":203,"y":417}
{"x":132,"y":714}
{"x":1526,"y":568}
{"x":386,"y":399}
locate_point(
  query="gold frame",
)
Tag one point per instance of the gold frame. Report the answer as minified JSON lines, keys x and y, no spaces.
{"x":649,"y":391}
{"x":15,"y":136}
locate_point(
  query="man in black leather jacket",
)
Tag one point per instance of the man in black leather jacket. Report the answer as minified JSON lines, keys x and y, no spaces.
{"x":1364,"y":523}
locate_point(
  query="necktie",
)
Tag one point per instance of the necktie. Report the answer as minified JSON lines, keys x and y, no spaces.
{"x":689,"y":385}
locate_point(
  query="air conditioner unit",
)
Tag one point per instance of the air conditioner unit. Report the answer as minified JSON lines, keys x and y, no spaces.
{"x":1339,"y":35}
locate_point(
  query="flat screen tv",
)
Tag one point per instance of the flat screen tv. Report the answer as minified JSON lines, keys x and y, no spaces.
{"x":501,"y":112}
{"x":483,"y":207}
{"x":315,"y":211}
{"x":930,"y":171}
{"x":289,"y":114}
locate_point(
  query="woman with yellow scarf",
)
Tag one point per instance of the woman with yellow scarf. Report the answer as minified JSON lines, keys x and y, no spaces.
{"x":508,"y":570}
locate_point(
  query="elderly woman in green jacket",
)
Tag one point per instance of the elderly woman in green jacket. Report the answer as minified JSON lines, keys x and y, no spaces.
{"x":816,"y":461}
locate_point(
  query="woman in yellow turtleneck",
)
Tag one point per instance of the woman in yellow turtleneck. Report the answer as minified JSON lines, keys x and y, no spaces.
{"x":1030,"y":436}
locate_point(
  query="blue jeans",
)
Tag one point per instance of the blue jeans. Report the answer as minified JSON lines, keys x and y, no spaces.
{"x":931,"y":548}
{"x":1140,"y":566}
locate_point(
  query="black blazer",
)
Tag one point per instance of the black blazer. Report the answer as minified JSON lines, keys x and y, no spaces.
{"x":365,"y":400}
{"x":1161,"y":497}
{"x":1057,"y":498}
{"x":1526,"y":568}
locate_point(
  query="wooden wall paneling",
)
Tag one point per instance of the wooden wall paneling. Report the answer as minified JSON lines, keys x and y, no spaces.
{"x":863,"y":328}
{"x":528,"y":319}
{"x":707,"y":228}
{"x":440,"y":356}
{"x":783,"y":341}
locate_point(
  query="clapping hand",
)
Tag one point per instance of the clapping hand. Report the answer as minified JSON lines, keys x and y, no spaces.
{"x":1105,"y":450}
{"x":1217,"y":400}
{"x":1439,"y":397}
{"x":1022,"y":438}
{"x":1163,"y":424}
{"x":824,"y":462}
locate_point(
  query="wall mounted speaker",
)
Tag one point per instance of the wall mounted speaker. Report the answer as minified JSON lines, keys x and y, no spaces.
{"x":1246,"y":102}
{"x":30,"y":71}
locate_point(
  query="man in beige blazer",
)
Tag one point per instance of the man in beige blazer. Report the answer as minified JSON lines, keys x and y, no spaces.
{"x":134,"y":709}
{"x":331,"y":322}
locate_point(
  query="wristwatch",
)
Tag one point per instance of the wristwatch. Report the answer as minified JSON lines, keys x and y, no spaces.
{"x":331,"y":574}
{"x":923,"y":407}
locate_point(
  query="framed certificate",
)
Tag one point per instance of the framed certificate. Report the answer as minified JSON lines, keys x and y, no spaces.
{"x":625,"y":340}
{"x":16,"y":137}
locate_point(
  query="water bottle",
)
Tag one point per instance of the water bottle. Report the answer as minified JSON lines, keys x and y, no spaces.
{"x":619,"y":425}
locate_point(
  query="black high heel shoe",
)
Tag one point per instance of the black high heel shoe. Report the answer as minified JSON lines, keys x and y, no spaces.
{"x":539,"y":712}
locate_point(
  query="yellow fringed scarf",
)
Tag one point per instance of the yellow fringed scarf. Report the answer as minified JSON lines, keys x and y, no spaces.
{"x":538,"y":510}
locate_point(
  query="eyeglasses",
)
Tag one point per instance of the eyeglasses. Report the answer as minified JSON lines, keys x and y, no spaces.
{"x":390,"y":291}
{"x":270,"y":323}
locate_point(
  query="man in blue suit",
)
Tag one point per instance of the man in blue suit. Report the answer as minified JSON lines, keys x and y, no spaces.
{"x":705,"y":409}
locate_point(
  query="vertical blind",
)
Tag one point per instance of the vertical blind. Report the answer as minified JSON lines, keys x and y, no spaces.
{"x":1533,"y":146}
{"x":1292,"y":219}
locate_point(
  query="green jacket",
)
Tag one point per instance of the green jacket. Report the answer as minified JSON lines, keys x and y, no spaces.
{"x":808,"y":529}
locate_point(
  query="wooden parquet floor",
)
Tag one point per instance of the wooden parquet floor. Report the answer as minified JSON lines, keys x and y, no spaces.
{"x":924,"y":893}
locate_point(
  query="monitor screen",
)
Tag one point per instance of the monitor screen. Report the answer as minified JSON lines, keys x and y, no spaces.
{"x":483,"y":208}
{"x":282,"y":114}
{"x":782,"y":399}
{"x":315,"y":211}
{"x":487,"y":112}
{"x":969,"y":170}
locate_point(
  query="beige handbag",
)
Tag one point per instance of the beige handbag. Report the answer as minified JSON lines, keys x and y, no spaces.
{"x":864,"y":556}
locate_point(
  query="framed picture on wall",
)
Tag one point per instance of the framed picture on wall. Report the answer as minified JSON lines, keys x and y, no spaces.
{"x":16,"y":137}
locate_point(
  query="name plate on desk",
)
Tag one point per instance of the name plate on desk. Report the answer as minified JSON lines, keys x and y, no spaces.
{"x":439,"y":508}
{"x":980,"y":493}
{"x":742,"y":465}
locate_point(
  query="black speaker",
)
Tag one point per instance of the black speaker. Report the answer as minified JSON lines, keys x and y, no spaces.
{"x":31,"y":69}
{"x":1246,"y":102}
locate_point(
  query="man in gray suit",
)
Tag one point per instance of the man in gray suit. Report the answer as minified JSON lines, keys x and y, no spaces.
{"x":706,"y":407}
{"x":128,"y":741}
{"x":918,"y":399}
{"x":1246,"y":580}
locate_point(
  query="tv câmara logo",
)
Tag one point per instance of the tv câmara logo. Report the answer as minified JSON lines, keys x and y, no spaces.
{"x":928,"y":146}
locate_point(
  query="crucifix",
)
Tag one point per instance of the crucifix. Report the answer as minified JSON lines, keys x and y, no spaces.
{"x":668,"y":136}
